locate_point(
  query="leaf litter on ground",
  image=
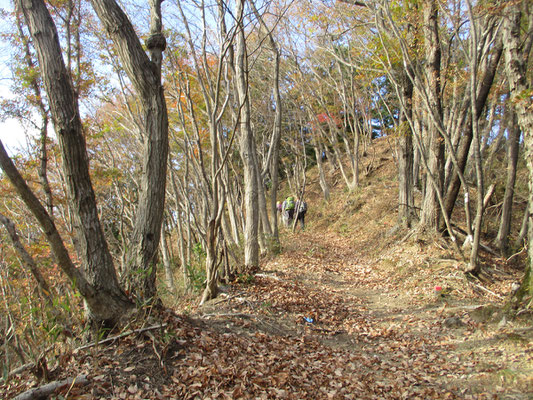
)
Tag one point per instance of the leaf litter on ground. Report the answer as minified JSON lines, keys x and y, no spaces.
{"x":350,"y":315}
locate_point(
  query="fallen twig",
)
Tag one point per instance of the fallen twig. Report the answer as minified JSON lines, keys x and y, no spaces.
{"x":24,"y":367}
{"x":228,"y":298}
{"x":46,"y":390}
{"x":241,"y":315}
{"x":110,"y":339}
{"x":516,"y":254}
{"x":20,"y":369}
{"x":486,"y":290}
{"x":152,"y":338}
{"x":269,"y":276}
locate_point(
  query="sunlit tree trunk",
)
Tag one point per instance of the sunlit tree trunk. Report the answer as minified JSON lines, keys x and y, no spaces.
{"x":272,"y":160}
{"x":251,"y":247}
{"x":516,"y":61}
{"x":430,"y":209}
{"x":43,"y":164}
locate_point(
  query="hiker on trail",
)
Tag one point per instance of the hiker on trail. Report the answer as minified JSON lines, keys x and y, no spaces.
{"x":288,"y":210}
{"x":300,"y":209}
{"x":279,"y":210}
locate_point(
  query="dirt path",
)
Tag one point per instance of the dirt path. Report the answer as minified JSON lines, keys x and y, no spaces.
{"x":319,"y":289}
{"x":319,"y":321}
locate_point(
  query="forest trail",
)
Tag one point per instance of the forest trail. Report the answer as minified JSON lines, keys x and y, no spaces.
{"x":324,"y":319}
{"x":346,"y":310}
{"x":323,"y":291}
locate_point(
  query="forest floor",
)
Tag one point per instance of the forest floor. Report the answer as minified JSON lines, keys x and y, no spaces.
{"x":347,"y":310}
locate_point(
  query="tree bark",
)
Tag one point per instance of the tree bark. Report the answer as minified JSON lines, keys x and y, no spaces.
{"x":251,"y":246}
{"x":272,"y":159}
{"x":430,"y":210}
{"x":169,"y":274}
{"x":464,"y":145}
{"x":106,"y":306}
{"x":516,"y":61}
{"x":43,"y":165}
{"x":145,"y":75}
{"x":405,"y":157}
{"x":321,"y":174}
{"x":106,"y":300}
{"x":513,"y":145}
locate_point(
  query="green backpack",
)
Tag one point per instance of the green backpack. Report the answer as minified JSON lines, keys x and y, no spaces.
{"x":289,"y":203}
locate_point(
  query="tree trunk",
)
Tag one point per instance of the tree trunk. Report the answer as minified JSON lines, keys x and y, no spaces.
{"x":211,"y":288}
{"x":251,"y":246}
{"x":43,"y":165}
{"x":523,"y":227}
{"x":405,"y":157}
{"x":169,"y":274}
{"x":430,"y":209}
{"x":515,"y":67}
{"x":145,"y":75}
{"x":106,"y":300}
{"x":321,"y":174}
{"x":261,"y":200}
{"x":464,"y":145}
{"x":272,"y":159}
{"x":233,"y":206}
{"x":513,"y":145}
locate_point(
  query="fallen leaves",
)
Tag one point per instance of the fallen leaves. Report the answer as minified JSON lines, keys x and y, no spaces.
{"x":329,"y":326}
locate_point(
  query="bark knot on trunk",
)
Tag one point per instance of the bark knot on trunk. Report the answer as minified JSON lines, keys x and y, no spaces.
{"x":156,"y":41}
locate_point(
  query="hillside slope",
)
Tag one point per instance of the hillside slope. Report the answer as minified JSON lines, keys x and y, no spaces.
{"x":347,"y":310}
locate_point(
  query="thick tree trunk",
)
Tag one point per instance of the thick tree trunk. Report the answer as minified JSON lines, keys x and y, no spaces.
{"x":145,"y":75}
{"x":107,"y":302}
{"x":107,"y":305}
{"x":516,"y":62}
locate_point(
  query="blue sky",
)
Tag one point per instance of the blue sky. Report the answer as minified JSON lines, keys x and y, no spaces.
{"x":11,"y":133}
